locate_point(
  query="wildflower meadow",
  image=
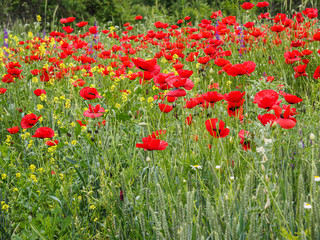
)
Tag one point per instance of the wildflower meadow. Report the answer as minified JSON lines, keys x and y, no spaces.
{"x":188,"y":129}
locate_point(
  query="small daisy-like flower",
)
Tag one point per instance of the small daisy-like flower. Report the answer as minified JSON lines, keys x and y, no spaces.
{"x":261,"y":150}
{"x":218,"y":167}
{"x":195,"y":167}
{"x":307,"y":206}
{"x":317,"y":178}
{"x":232,"y":178}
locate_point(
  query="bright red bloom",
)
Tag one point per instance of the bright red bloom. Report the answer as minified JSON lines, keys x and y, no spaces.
{"x":165,"y":108}
{"x":266,"y":98}
{"x":2,"y":90}
{"x":311,"y":12}
{"x":262,"y":4}
{"x":234,"y":97}
{"x":316,"y":74}
{"x":212,"y":97}
{"x":189,"y":120}
{"x":267,"y":118}
{"x":70,"y":19}
{"x":151,"y":144}
{"x":68,"y":29}
{"x":292,"y":99}
{"x":247,"y":5}
{"x":203,"y":60}
{"x":149,"y":65}
{"x":212,"y":128}
{"x":184,"y":73}
{"x":82,"y":24}
{"x":52,"y":143}
{"x":158,"y":133}
{"x":93,"y":29}
{"x":89,"y":93}
{"x":177,"y":93}
{"x":29,"y":120}
{"x":13,"y":130}
{"x":316,"y":36}
{"x":139,"y":17}
{"x":245,"y":139}
{"x":277,"y":28}
{"x":221,"y":62}
{"x":78,"y":83}
{"x":63,"y":20}
{"x":236,"y":110}
{"x":38,"y":92}
{"x":241,"y":69}
{"x":284,"y":119}
{"x":95,"y":112}
{"x":44,"y":132}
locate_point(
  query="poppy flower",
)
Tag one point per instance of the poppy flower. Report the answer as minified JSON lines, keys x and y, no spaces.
{"x":212,"y":128}
{"x":184,"y":73}
{"x":158,"y":133}
{"x":266,"y":98}
{"x":235,"y":110}
{"x":189,"y":120}
{"x":203,"y":60}
{"x":2,"y":90}
{"x":81,"y":123}
{"x":284,"y":119}
{"x":221,"y":62}
{"x":38,"y":92}
{"x":234,"y":97}
{"x":262,"y":4}
{"x":81,"y":24}
{"x":151,"y":144}
{"x":78,"y":83}
{"x":139,"y":17}
{"x":44,"y":132}
{"x":247,"y":5}
{"x":165,"y":108}
{"x":267,"y":118}
{"x":93,"y":29}
{"x":68,"y":29}
{"x":29,"y":120}
{"x":316,"y":74}
{"x":94,"y":112}
{"x":177,"y":93}
{"x":89,"y":93}
{"x":241,"y":69}
{"x":212,"y":97}
{"x":13,"y":130}
{"x":245,"y":139}
{"x":147,"y":65}
{"x":292,"y":99}
{"x":52,"y":143}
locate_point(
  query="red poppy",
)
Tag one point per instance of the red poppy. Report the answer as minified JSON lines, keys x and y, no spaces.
{"x":212,"y":128}
{"x":139,"y":17}
{"x":203,"y":60}
{"x":266,"y":98}
{"x":189,"y":120}
{"x":212,"y":97}
{"x":149,"y":65}
{"x":292,"y":99}
{"x":70,"y":19}
{"x":277,"y":28}
{"x":52,"y":143}
{"x":150,"y":144}
{"x":284,"y":119}
{"x":68,"y":29}
{"x":82,"y":24}
{"x":44,"y":132}
{"x":184,"y":73}
{"x":13,"y":130}
{"x":221,"y":62}
{"x":93,"y":29}
{"x":262,"y":4}
{"x":234,"y":97}
{"x":95,"y":112}
{"x":2,"y":90}
{"x":165,"y":108}
{"x":241,"y":69}
{"x":177,"y":93}
{"x":245,"y":139}
{"x":78,"y":83}
{"x":316,"y":74}
{"x":235,"y":109}
{"x":158,"y":133}
{"x":247,"y":5}
{"x":89,"y":93}
{"x":81,"y":123}
{"x":267,"y":118}
{"x":29,"y":120}
{"x":38,"y":92}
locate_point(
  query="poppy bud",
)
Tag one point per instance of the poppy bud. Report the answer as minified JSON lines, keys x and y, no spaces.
{"x":312,"y":136}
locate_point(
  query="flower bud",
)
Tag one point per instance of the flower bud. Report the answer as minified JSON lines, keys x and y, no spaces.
{"x":148,"y":159}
